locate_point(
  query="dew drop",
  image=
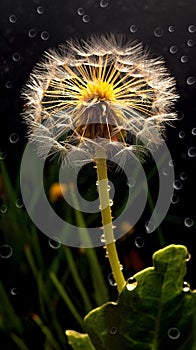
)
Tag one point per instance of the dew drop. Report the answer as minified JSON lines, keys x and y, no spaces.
{"x":165,"y":171}
{"x":177,"y":184}
{"x":190,"y":42}
{"x":40,"y":10}
{"x":45,"y":35}
{"x":54,"y":243}
{"x":139,"y":242}
{"x":111,"y":279}
{"x":158,"y":32}
{"x":131,"y":182}
{"x":19,"y":203}
{"x":86,"y":18}
{"x":16,"y":57}
{"x":174,"y":199}
{"x":184,"y":59}
{"x":171,"y":29}
{"x":32,"y":33}
{"x":81,"y":11}
{"x":149,"y":226}
{"x":131,"y":284}
{"x":3,"y":208}
{"x":102,"y":238}
{"x":104,"y":3}
{"x":181,"y":134}
{"x":14,"y":138}
{"x":111,"y":202}
{"x":173,"y":49}
{"x":180,"y":115}
{"x":14,"y":291}
{"x":171,"y":163}
{"x":2,"y":155}
{"x":12,"y":19}
{"x":188,"y":222}
{"x":191,"y":80}
{"x":183,"y":176}
{"x":173,"y":333}
{"x":113,"y":330}
{"x":133,"y":28}
{"x":108,"y":188}
{"x":8,"y":84}
{"x":191,"y":28}
{"x":5,"y":251}
{"x":193,"y":131}
{"x":188,"y":257}
{"x":186,"y":287}
{"x":192,"y":152}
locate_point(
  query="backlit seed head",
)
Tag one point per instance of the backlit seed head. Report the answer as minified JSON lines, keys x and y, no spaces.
{"x":105,"y":91}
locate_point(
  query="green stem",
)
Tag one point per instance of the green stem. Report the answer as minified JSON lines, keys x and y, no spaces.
{"x":100,"y":160}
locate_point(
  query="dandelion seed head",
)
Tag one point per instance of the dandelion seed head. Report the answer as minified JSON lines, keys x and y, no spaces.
{"x":103,"y":90}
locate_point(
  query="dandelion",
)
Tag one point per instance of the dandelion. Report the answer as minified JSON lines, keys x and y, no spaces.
{"x":95,"y":97}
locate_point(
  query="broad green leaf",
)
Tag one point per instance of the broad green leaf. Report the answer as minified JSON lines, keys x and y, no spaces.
{"x":155,"y":310}
{"x":79,"y":341}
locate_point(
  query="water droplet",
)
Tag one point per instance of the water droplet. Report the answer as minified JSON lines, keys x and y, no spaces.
{"x":165,"y":171}
{"x":192,"y":152}
{"x":108,"y":188}
{"x":177,"y":184}
{"x":102,"y":238}
{"x":186,"y":287}
{"x":8,"y":84}
{"x":113,"y":330}
{"x":190,"y":42}
{"x":139,"y":242}
{"x":111,"y":202}
{"x":14,"y":291}
{"x":158,"y":32}
{"x":131,"y":284}
{"x":171,"y":29}
{"x":183,"y":176}
{"x":32,"y":33}
{"x":171,"y":163}
{"x":19,"y":203}
{"x":80,"y":11}
{"x":86,"y":18}
{"x":2,"y":155}
{"x":174,"y":199}
{"x":16,"y":57}
{"x":45,"y":35}
{"x":150,"y":226}
{"x":184,"y":59}
{"x":188,"y":222}
{"x":40,"y":10}
{"x":173,"y":333}
{"x":188,"y":257}
{"x":191,"y":28}
{"x":111,"y":279}
{"x":133,"y":28}
{"x":54,"y":243}
{"x":180,"y":115}
{"x":103,"y":3}
{"x":191,"y":80}
{"x":181,"y":134}
{"x":131,"y":182}
{"x":12,"y":19}
{"x":3,"y":208}
{"x":13,"y":138}
{"x":173,"y":49}
{"x":5,"y":251}
{"x":193,"y":131}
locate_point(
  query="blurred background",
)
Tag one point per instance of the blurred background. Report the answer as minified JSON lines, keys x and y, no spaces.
{"x":40,"y":279}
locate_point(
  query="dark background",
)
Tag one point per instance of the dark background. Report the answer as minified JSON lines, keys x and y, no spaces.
{"x":168,"y":28}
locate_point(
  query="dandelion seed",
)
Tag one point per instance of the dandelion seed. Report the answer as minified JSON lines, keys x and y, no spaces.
{"x":103,"y":91}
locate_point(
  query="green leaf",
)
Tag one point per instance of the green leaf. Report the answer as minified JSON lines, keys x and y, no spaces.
{"x":153,"y":312}
{"x":79,"y":341}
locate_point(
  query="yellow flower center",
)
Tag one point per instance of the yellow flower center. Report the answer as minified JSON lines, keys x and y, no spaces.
{"x":98,"y":90}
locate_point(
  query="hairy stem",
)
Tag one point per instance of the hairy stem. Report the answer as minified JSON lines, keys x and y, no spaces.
{"x":100,"y":160}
